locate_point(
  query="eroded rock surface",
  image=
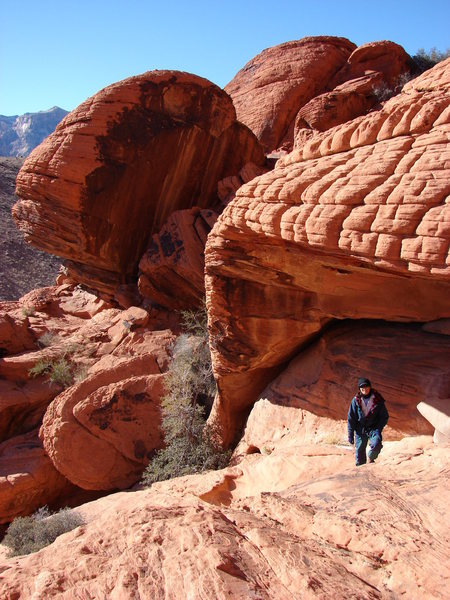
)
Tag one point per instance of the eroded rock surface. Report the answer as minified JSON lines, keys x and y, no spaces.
{"x":295,"y":89}
{"x":354,"y":224}
{"x":270,"y":89}
{"x":323,"y":379}
{"x":116,"y":167}
{"x":172,"y":268}
{"x":115,"y":414}
{"x":301,"y":520}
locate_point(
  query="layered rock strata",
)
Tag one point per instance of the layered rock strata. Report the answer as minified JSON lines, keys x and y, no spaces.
{"x":405,"y":363}
{"x":115,"y":168}
{"x":354,"y":224}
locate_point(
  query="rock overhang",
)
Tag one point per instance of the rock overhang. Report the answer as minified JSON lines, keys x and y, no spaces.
{"x":354,"y":223}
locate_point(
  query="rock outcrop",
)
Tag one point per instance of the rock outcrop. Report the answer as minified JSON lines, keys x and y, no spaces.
{"x":102,"y":432}
{"x":298,"y":521}
{"x":97,"y":434}
{"x":117,"y":166}
{"x":354,"y":224}
{"x":271,"y":88}
{"x":292,"y":90}
{"x":29,"y":480}
{"x":404,"y":363}
{"x":172,"y":268}
{"x":331,"y":266}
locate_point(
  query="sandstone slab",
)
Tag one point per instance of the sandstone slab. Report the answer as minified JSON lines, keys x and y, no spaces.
{"x":301,"y":520}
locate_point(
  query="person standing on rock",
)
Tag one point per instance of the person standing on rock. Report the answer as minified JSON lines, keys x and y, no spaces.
{"x":367,"y":417}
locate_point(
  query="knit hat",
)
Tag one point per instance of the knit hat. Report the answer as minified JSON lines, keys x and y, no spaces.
{"x":363,"y":381}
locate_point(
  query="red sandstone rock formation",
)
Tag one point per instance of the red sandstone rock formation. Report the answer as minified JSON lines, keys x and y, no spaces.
{"x":273,"y":86}
{"x":404,"y":361}
{"x":354,"y":224}
{"x":172,"y":267}
{"x":300,"y":521}
{"x":101,"y":433}
{"x":29,"y":480}
{"x":316,"y":83}
{"x":116,"y":167}
{"x":111,"y":419}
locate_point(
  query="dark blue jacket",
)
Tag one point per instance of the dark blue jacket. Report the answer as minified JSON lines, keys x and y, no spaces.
{"x":375,"y":420}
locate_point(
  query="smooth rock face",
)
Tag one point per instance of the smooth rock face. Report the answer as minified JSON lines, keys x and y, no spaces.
{"x":117,"y":166}
{"x":354,"y":224}
{"x":298,"y":522}
{"x":172,"y":268}
{"x":436,"y":411}
{"x":273,"y":86}
{"x":404,"y":363}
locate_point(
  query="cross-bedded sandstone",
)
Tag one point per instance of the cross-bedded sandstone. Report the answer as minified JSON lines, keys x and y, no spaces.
{"x":353,"y":224}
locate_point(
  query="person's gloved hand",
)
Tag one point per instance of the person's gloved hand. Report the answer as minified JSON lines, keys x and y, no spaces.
{"x":351,"y":440}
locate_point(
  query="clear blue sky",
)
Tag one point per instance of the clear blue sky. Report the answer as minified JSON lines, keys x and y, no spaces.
{"x":58,"y":53}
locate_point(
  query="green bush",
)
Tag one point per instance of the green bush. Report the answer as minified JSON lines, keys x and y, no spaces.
{"x":28,"y":311}
{"x":190,"y":389}
{"x":29,"y":534}
{"x":60,"y":370}
{"x":48,"y":339}
{"x":42,"y":367}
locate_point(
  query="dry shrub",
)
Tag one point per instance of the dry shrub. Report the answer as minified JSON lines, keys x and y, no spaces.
{"x":190,"y":389}
{"x":29,"y":534}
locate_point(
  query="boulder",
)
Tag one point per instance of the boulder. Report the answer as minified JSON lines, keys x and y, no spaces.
{"x":101,"y":433}
{"x":354,"y":224}
{"x":373,"y":72}
{"x":116,"y":167}
{"x":386,"y":58}
{"x":289,"y":92}
{"x":270,"y":89}
{"x":78,"y":338}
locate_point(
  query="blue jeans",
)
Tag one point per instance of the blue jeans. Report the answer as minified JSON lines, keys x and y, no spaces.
{"x":375,"y":445}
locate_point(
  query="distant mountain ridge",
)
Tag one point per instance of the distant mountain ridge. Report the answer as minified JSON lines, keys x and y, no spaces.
{"x":19,"y":134}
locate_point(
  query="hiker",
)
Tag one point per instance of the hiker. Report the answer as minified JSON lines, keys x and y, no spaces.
{"x":367,"y":416}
